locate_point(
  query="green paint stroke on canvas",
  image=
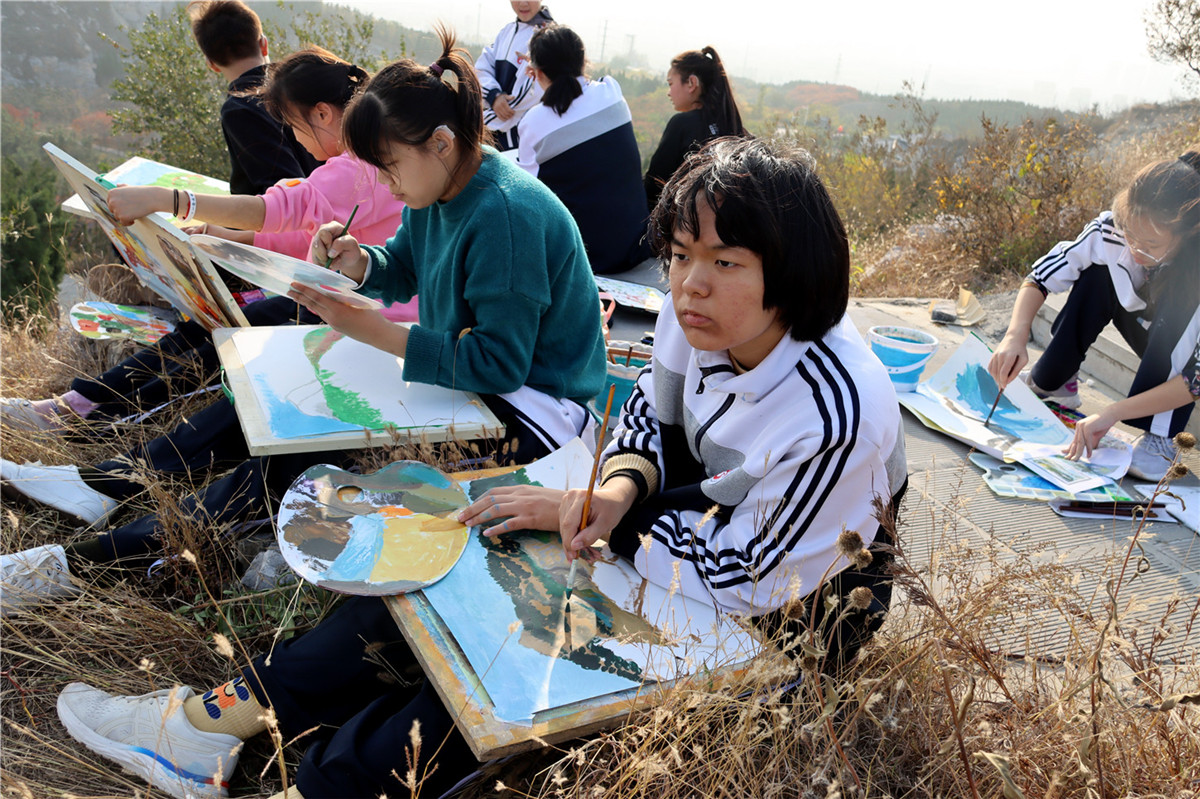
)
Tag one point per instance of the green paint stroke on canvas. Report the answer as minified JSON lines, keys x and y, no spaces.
{"x":346,"y":405}
{"x":521,"y":565}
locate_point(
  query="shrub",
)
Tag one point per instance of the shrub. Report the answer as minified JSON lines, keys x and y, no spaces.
{"x":1017,"y":190}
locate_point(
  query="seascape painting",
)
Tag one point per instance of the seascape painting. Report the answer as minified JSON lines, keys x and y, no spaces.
{"x":957,"y":398}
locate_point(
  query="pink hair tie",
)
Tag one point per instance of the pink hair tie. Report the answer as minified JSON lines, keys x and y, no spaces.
{"x":436,"y":69}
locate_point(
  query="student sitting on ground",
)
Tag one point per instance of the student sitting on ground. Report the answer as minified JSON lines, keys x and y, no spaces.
{"x":309,"y":91}
{"x":579,"y":141}
{"x":699,"y":89}
{"x":1137,"y":266}
{"x":261,"y":152}
{"x":796,"y":427}
{"x":509,"y":310}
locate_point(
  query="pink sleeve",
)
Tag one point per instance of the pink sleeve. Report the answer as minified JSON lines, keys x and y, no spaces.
{"x":327,"y":195}
{"x":295,"y":205}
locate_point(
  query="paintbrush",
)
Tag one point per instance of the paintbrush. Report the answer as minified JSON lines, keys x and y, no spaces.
{"x":587,"y":500}
{"x":329,"y":260}
{"x":999,"y":394}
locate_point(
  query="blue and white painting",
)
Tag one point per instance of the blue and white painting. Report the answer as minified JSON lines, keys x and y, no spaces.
{"x":310,"y":380}
{"x":505,"y":603}
{"x":956,"y":400}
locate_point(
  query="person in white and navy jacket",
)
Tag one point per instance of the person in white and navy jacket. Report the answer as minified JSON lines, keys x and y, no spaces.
{"x":508,"y":90}
{"x":579,"y":141}
{"x":764,"y":435}
{"x":1138,"y":267}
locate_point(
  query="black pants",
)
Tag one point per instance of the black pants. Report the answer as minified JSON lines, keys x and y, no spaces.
{"x":212,"y":441}
{"x":181,"y":362}
{"x":1091,"y":305}
{"x":362,"y":710}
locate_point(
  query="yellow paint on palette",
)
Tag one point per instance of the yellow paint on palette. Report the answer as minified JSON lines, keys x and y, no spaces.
{"x":417,"y":546}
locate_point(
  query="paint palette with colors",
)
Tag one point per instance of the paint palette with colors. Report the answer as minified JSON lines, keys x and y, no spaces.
{"x":377,"y":534}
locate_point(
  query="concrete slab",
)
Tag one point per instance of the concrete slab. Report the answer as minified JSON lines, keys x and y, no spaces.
{"x":949,"y":507}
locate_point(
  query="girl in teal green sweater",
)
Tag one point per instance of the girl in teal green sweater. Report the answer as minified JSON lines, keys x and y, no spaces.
{"x":509,"y":308}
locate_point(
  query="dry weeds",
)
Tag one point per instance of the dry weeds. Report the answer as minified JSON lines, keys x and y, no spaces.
{"x":933,"y":708}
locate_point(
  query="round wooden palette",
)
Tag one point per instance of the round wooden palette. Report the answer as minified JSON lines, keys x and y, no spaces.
{"x":385,"y":533}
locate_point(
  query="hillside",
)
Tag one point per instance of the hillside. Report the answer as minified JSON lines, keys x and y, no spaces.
{"x":54,"y":61}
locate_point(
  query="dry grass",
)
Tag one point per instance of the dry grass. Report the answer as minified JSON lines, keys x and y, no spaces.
{"x":932,"y":709}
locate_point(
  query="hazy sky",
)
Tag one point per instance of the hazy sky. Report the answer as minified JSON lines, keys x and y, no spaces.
{"x":1066,"y":53}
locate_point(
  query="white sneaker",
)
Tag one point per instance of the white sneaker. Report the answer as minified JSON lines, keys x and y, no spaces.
{"x":1152,"y":456}
{"x":25,"y":415}
{"x":60,"y":487}
{"x":151,"y":736}
{"x":31,"y":577}
{"x":1066,"y":395}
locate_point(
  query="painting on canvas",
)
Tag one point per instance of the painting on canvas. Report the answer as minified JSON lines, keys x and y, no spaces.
{"x":957,"y":398}
{"x":311,"y":381}
{"x":505,"y":605}
{"x":277,"y":272}
{"x":157,"y":253}
{"x":632,"y":295}
{"x":138,"y":171}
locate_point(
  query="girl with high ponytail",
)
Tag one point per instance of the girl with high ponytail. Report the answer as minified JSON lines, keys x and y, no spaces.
{"x":308,"y":91}
{"x":1137,"y":266}
{"x":703,"y":98}
{"x":508,"y":306}
{"x":580,"y":142}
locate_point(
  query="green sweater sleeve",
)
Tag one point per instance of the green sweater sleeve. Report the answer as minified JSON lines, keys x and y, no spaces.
{"x":392,"y":276}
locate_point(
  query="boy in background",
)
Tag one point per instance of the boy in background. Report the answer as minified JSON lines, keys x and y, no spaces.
{"x":261,"y":151}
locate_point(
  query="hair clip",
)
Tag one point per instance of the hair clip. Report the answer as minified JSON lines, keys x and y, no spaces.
{"x":446,"y":76}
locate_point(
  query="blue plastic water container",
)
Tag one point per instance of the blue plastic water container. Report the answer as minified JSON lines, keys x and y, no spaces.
{"x":903,"y":352}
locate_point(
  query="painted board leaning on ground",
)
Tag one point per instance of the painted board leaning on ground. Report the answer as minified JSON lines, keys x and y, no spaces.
{"x":632,"y":295}
{"x":158,"y":253}
{"x":106,"y":320}
{"x":308,"y":388}
{"x":956,"y":399}
{"x":515,"y":662}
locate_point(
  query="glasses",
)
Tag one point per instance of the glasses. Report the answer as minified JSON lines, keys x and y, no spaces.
{"x":1157,"y":260}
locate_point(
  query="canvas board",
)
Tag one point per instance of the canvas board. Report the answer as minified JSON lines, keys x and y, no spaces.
{"x":504,"y":631}
{"x":956,"y":400}
{"x":158,"y":253}
{"x":307,"y":388}
{"x":277,"y":272}
{"x":632,"y":295}
{"x":138,"y":171}
{"x":106,"y":320}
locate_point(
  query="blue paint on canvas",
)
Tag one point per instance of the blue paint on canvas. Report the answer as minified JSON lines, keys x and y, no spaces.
{"x":481,"y":612}
{"x":977,"y":390}
{"x":285,"y":416}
